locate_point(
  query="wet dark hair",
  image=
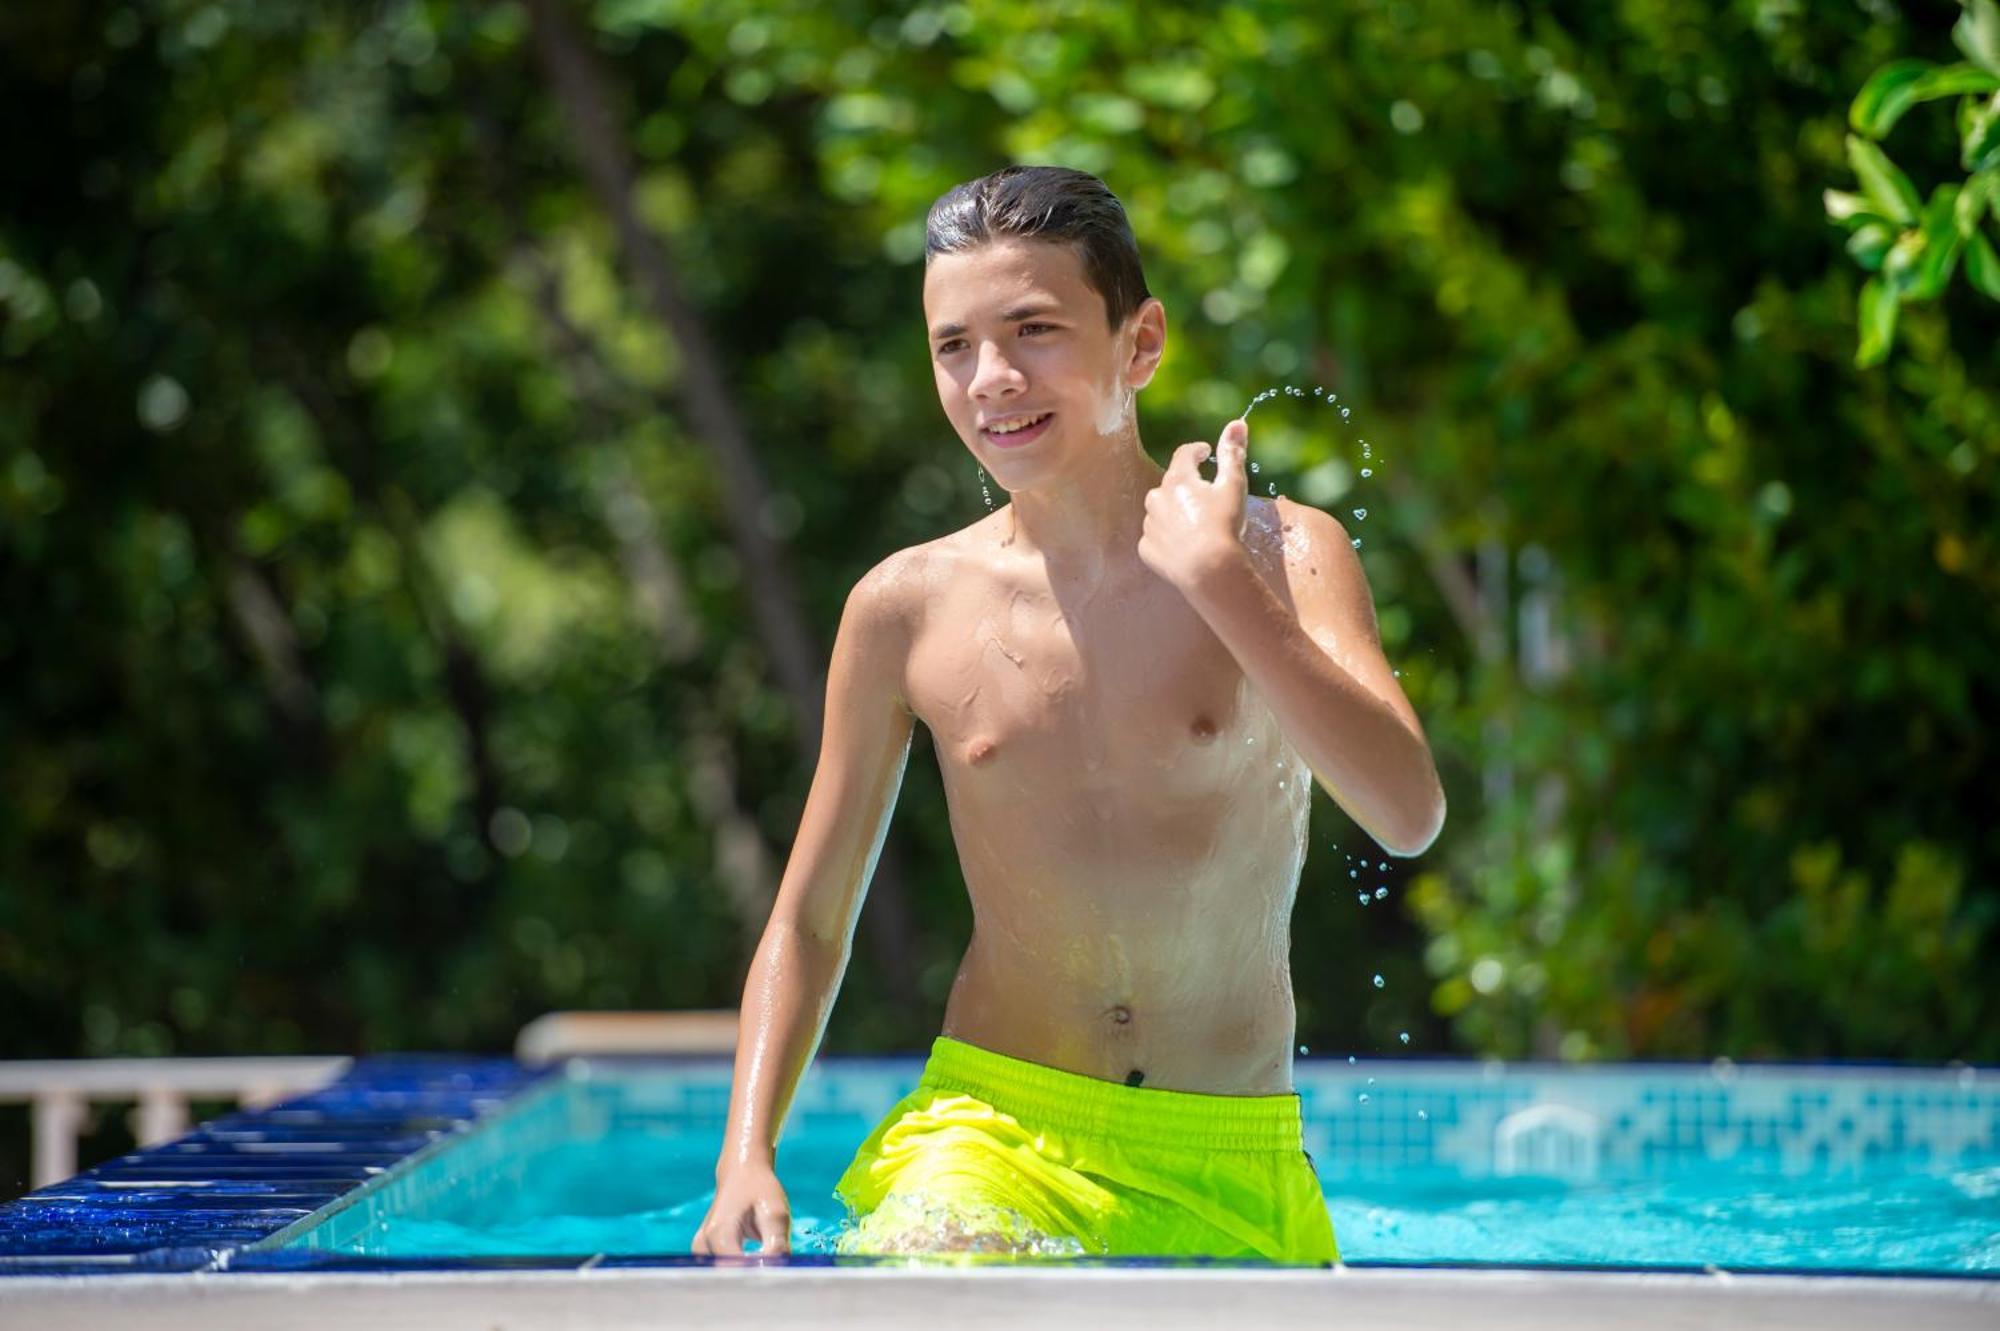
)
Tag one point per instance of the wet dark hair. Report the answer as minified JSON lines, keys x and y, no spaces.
{"x":1047,"y":203}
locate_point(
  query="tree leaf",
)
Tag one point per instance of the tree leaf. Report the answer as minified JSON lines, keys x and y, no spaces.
{"x":1900,"y":266}
{"x":1869,"y":243}
{"x":1950,"y":81}
{"x":1941,"y":245}
{"x":1883,"y":99}
{"x":1878,"y":323}
{"x":1977,"y":33}
{"x":1976,"y":198}
{"x":1883,"y":181}
{"x":1979,"y":133}
{"x":1850,"y":210}
{"x":1982,"y":265}
{"x":1902,"y":84}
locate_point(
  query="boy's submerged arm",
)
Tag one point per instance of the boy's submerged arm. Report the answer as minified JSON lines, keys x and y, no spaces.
{"x":1319,"y":667}
{"x":797,"y":969}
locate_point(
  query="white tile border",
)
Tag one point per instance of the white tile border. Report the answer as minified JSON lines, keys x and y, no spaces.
{"x":932,"y":1297}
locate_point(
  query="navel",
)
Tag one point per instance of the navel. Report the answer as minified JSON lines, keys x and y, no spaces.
{"x":1122,"y":1015}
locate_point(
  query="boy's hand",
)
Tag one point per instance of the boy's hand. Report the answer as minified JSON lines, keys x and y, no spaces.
{"x":749,"y":1203}
{"x":1194,"y":526}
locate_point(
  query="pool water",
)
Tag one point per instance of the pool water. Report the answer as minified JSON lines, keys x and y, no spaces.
{"x":1752,"y":1168}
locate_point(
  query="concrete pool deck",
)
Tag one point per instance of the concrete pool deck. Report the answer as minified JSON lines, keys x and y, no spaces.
{"x":930,"y":1296}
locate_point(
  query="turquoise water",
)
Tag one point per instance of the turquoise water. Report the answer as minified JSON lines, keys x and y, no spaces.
{"x":1440,"y":1164}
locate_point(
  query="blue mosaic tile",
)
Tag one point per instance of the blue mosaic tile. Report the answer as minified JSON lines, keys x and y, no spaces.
{"x":189,"y":1204}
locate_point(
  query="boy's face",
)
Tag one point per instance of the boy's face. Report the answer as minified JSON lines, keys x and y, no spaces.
{"x":1017,"y":332}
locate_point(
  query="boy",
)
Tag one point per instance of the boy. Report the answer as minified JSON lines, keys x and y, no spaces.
{"x":1131,"y":675}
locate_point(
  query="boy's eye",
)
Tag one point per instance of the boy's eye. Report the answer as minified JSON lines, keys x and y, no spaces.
{"x":953,"y":344}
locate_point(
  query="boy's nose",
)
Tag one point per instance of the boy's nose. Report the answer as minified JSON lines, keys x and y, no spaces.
{"x":996,"y":376}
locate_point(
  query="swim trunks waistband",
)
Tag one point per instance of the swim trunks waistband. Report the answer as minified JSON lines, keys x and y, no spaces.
{"x":1070,"y":1102}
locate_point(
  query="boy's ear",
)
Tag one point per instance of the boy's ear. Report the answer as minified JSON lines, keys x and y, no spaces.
{"x":1148,"y":325}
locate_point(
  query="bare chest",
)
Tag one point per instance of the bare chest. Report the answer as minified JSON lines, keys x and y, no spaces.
{"x":1043,"y":691}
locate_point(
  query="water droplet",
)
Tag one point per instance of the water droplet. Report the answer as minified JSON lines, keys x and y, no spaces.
{"x":1378,"y":982}
{"x":1357,"y":543}
{"x":1354,"y":873}
{"x":1404,"y":1036}
{"x":1381,"y":892}
{"x":1366,"y":472}
{"x":1361,"y":515}
{"x":1318,"y":391}
{"x":1363,"y":896}
{"x":1364,"y":1097}
{"x":1371,"y":1081}
{"x":1343,"y":413}
{"x":1274,"y":487}
{"x":1253,"y":466}
{"x":1423,"y":1114}
{"x":1350,"y":1060}
{"x":1397,"y":673}
{"x":1302,"y":1049}
{"x":1381,"y":864}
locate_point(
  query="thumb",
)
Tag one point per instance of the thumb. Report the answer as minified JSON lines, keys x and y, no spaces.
{"x":1231,"y":449}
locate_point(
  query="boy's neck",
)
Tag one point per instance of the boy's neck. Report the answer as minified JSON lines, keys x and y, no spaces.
{"x":1085,"y":524}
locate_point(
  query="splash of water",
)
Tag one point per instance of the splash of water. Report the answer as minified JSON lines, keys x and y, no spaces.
{"x":915,"y":1224}
{"x":1330,"y":399}
{"x":1367,"y":472}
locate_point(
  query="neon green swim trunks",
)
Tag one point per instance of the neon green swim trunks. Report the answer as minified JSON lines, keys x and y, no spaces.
{"x":992,"y":1153}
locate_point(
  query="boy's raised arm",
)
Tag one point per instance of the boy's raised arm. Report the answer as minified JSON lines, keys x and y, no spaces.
{"x":799,"y":963}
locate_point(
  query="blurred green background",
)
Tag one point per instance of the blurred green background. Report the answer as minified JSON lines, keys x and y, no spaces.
{"x":436,"y":441}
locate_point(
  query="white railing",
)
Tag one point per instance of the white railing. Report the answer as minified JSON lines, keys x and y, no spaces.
{"x":61,"y":1092}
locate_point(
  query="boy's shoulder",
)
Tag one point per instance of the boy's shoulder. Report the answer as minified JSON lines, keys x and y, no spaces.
{"x":906,"y":579}
{"x":902,"y":583}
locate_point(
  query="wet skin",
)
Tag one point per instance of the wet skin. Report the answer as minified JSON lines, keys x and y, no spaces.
{"x":1129,"y":820}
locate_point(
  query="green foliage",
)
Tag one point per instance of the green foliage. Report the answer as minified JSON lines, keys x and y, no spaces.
{"x":336,"y":712}
{"x":1915,"y":246}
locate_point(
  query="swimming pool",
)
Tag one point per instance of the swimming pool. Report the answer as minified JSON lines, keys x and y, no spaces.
{"x":1756,"y":1169}
{"x":422,"y":1192}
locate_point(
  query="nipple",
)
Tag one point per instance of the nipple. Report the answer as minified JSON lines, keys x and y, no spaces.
{"x":980,"y":750}
{"x":1203,"y":728}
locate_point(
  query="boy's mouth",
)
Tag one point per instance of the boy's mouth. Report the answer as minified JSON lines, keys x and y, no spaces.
{"x":1017,"y":430}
